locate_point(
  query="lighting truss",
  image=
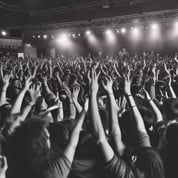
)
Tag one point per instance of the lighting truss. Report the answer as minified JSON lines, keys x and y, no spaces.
{"x":165,"y":17}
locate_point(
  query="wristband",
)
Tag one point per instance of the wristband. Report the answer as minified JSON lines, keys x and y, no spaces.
{"x":31,"y":104}
{"x":110,"y":94}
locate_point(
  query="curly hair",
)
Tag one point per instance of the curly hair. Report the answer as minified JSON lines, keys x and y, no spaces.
{"x":29,"y":149}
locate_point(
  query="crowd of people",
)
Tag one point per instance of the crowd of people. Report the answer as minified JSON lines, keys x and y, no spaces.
{"x":89,"y":117}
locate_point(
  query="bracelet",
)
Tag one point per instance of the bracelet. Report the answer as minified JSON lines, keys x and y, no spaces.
{"x":31,"y":104}
{"x":149,"y":100}
{"x":129,"y":95}
{"x":110,"y":94}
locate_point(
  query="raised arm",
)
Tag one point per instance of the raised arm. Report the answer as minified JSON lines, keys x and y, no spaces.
{"x":72,"y":110}
{"x":96,"y":120}
{"x":5,"y":80}
{"x":71,"y":147}
{"x":157,"y":112}
{"x":34,"y":94}
{"x":137,"y":116}
{"x":75,"y":93}
{"x":115,"y":128}
{"x":153,"y":83}
{"x":16,"y":107}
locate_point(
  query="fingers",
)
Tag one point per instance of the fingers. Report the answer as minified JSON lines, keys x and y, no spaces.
{"x":4,"y":163}
{"x":86,"y":104}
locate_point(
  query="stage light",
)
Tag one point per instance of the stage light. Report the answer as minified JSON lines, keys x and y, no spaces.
{"x":175,"y":30}
{"x":154,"y":26}
{"x":155,"y":33}
{"x":45,"y":36}
{"x":39,"y":36}
{"x":135,"y":34}
{"x":117,"y":31}
{"x":123,"y":30}
{"x":135,"y":30}
{"x":110,"y":37}
{"x":176,"y":25}
{"x":73,"y":35}
{"x":33,"y":36}
{"x":3,"y":33}
{"x":108,"y":32}
{"x":64,"y":41}
{"x":88,"y":32}
{"x":78,"y":34}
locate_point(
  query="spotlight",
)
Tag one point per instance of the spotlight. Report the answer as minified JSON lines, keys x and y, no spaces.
{"x":135,"y":34}
{"x":117,"y":31}
{"x":176,"y":25}
{"x":135,"y":30}
{"x":108,"y":32}
{"x":154,"y":26}
{"x":155,"y":33}
{"x":78,"y":34}
{"x":73,"y":35}
{"x":33,"y":36}
{"x":88,"y":32}
{"x":3,"y":33}
{"x":110,"y":37}
{"x":123,"y":30}
{"x":45,"y":36}
{"x":64,"y":41}
{"x":39,"y":36}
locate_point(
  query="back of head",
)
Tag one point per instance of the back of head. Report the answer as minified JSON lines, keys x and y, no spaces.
{"x":172,"y":137}
{"x":28,"y":146}
{"x":170,"y":107}
{"x":149,"y":162}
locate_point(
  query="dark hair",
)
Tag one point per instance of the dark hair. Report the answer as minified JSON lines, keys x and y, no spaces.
{"x":170,"y":108}
{"x":149,"y":162}
{"x":59,"y":136}
{"x":28,"y":146}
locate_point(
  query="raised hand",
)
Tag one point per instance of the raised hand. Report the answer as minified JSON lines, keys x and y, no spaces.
{"x":127,"y":83}
{"x":3,"y":167}
{"x":34,"y":92}
{"x":147,"y":96}
{"x":28,"y":82}
{"x":86,"y":104}
{"x":75,"y":93}
{"x":108,"y":85}
{"x":93,"y":81}
{"x":116,"y":71}
{"x":166,"y":69}
{"x":68,"y":92}
{"x":6,"y":79}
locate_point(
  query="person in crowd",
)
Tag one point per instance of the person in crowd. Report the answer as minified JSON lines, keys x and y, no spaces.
{"x":128,"y":129}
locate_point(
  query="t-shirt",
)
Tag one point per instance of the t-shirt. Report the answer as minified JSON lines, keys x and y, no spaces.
{"x":119,"y":168}
{"x":86,"y":168}
{"x":57,"y":168}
